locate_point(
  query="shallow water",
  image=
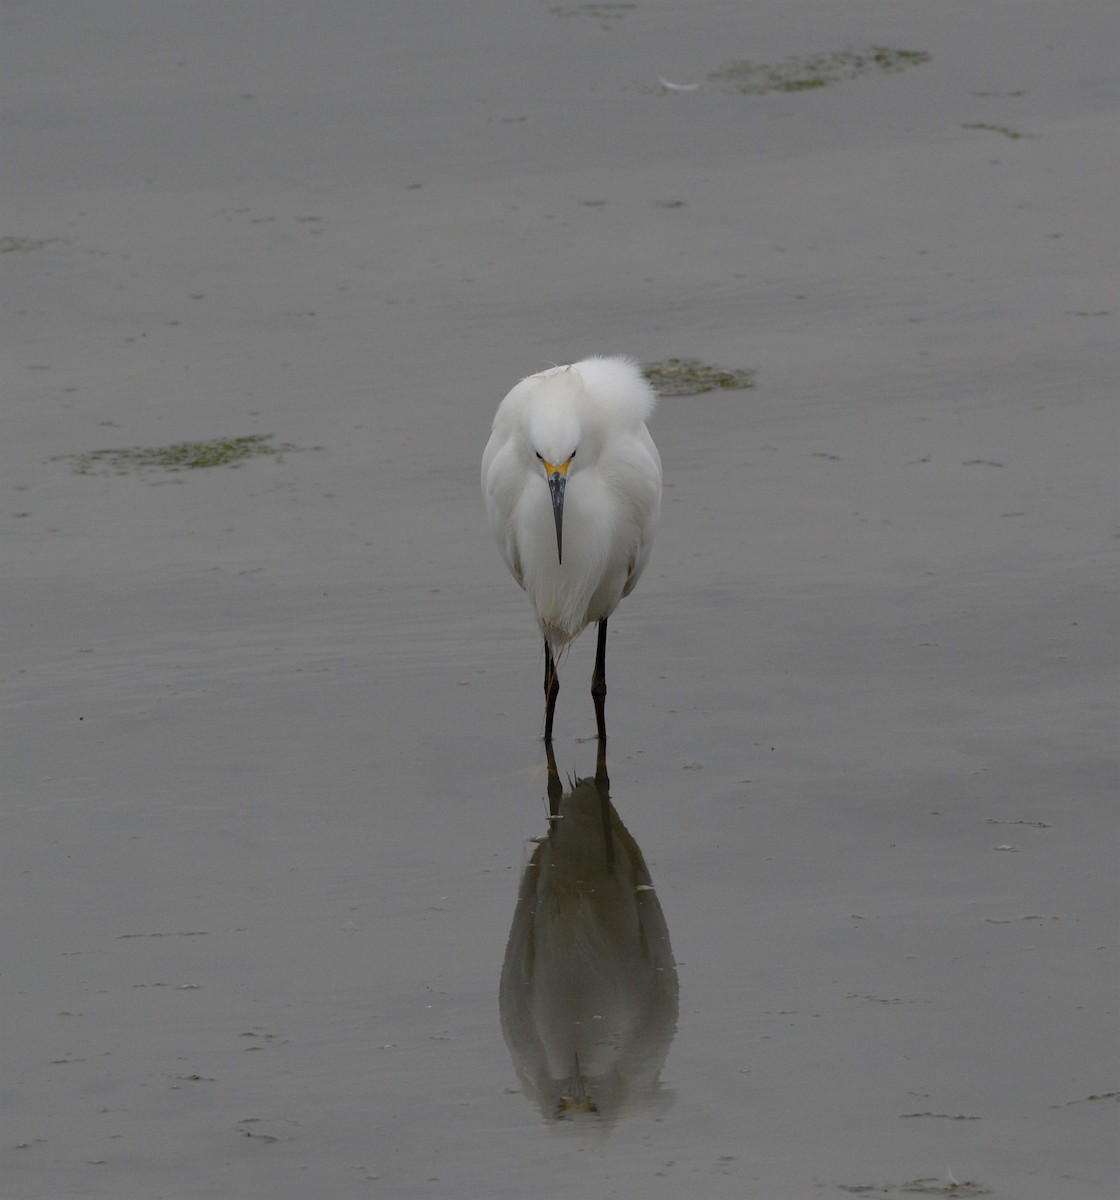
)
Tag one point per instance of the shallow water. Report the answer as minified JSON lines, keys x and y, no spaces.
{"x":272,"y":758}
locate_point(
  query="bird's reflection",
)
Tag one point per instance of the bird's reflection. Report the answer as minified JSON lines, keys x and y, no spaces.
{"x":588,"y":995}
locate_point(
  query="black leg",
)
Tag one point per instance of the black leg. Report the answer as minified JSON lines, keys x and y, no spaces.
{"x":599,"y":682}
{"x":551,"y":691}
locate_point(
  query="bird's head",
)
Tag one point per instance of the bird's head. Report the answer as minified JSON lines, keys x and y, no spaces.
{"x":554,"y":435}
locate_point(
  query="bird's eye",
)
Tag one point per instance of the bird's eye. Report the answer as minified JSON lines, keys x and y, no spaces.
{"x":540,"y":457}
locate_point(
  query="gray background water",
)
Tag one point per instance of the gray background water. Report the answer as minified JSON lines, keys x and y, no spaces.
{"x":271,"y":763}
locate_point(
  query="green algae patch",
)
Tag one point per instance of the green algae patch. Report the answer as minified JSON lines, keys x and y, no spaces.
{"x":1095,"y":1098}
{"x":1014,"y":134}
{"x":181,"y":456}
{"x":939,"y":1116}
{"x":604,"y":12}
{"x":917,"y":1187}
{"x":806,"y":72}
{"x":690,"y":377}
{"x":20,"y":245}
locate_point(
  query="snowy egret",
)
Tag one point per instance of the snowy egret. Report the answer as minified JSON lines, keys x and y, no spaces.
{"x":572,"y":483}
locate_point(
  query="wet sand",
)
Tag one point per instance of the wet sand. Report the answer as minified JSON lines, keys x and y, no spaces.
{"x":271,"y":732}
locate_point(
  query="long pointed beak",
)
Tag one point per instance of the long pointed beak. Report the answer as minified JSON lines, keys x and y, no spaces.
{"x":557,"y":477}
{"x":556,"y":485}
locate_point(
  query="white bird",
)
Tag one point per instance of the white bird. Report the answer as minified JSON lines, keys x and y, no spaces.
{"x":572,"y":484}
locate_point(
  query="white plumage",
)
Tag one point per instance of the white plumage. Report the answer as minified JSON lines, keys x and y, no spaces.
{"x":572,"y":484}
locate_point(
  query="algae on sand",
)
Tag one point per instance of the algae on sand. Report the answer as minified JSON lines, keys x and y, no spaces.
{"x":936,"y":1187}
{"x":188,"y":456}
{"x":801,"y":73}
{"x":918,"y":1187}
{"x":690,"y":377}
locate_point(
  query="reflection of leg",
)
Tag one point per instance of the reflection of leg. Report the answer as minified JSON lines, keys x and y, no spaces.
{"x":603,"y":787}
{"x":602,"y":779}
{"x":555,"y":790}
{"x":551,"y":690}
{"x":599,"y":682}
